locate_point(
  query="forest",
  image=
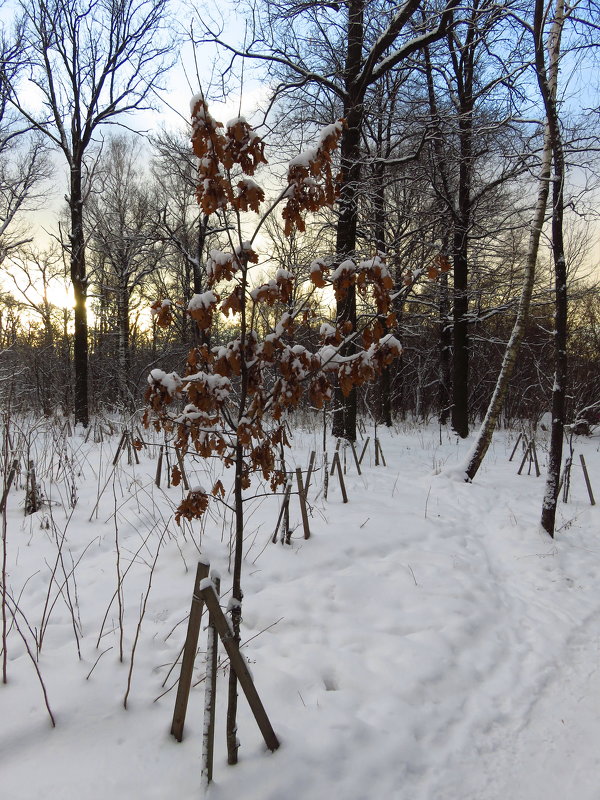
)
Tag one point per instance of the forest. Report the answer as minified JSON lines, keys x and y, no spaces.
{"x":240,"y":239}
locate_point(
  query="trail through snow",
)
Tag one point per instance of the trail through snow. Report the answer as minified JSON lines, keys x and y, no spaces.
{"x":427,"y":642}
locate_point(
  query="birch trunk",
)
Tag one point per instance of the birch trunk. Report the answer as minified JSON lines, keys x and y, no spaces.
{"x":548,"y":87}
{"x":488,"y":426}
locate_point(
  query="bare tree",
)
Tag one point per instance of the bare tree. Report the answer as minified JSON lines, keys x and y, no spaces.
{"x":123,"y":239}
{"x":342,"y":51}
{"x":23,"y":162}
{"x":92,"y":63}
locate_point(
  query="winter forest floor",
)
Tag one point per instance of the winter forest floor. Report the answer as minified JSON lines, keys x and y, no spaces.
{"x":427,"y":642}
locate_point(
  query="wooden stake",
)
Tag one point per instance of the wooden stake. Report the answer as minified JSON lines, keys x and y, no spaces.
{"x":238,"y":664}
{"x":336,"y":463}
{"x":356,"y":461}
{"x":364,"y":450}
{"x":168,"y":467}
{"x":378,"y":448}
{"x":302,"y":503}
{"x":325,"y":475}
{"x":535,"y":459}
{"x":210,"y":696}
{"x":284,"y":505}
{"x":186,"y":485}
{"x":159,"y":467}
{"x":189,"y":654}
{"x":311,"y":464}
{"x":567,"y":485}
{"x":525,"y":455}
{"x":587,"y":479}
{"x":514,"y":450}
{"x":119,"y":448}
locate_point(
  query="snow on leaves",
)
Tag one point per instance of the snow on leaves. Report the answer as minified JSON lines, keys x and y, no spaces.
{"x":218,"y":153}
{"x":232,"y":397}
{"x":310,"y":179}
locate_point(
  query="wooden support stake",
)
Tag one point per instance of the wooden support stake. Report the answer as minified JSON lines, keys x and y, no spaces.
{"x":380,"y":451}
{"x":514,"y":450}
{"x":210,"y":696}
{"x":302,"y":503}
{"x":364,"y":450}
{"x":344,"y":450}
{"x":238,"y":663}
{"x":535,"y":459}
{"x":311,"y":464}
{"x":168,"y":467}
{"x":284,"y":505}
{"x":119,"y":448}
{"x":567,"y":485}
{"x":335,"y":455}
{"x":336,"y":463}
{"x":587,"y":479}
{"x":159,"y":467}
{"x":356,"y":461}
{"x":186,"y":485}
{"x":325,"y":475}
{"x":189,"y":654}
{"x":525,"y":455}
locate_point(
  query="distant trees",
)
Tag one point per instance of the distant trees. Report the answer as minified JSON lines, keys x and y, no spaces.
{"x":440,"y":162}
{"x":91,"y":64}
{"x":123,"y":240}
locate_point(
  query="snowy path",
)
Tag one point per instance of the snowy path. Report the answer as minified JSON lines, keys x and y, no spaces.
{"x":427,"y":643}
{"x":553,"y":753}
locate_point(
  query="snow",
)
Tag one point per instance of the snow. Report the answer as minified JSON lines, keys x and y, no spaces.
{"x":304,"y":159}
{"x":171,"y":380}
{"x":204,"y":300}
{"x":427,"y":641}
{"x":347,"y":267}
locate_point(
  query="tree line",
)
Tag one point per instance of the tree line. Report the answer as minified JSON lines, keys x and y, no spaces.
{"x":462,"y":157}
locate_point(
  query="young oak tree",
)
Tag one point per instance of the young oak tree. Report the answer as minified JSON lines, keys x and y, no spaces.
{"x":231,"y":400}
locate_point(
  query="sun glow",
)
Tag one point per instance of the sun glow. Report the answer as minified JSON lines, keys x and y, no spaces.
{"x":59,"y":294}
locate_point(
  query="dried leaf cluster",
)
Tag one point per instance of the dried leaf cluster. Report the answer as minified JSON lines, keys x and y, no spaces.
{"x":231,"y":399}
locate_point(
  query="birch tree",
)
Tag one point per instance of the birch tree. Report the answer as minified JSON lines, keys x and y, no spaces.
{"x":546,"y":59}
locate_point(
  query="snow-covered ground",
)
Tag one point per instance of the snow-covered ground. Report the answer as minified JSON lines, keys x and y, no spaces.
{"x":427,"y":642}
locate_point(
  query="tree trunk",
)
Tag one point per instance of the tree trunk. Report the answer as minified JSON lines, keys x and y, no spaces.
{"x":445,"y":343}
{"x":344,"y":418}
{"x":123,"y":355}
{"x":548,"y":89}
{"x":460,"y":368}
{"x":385,"y":381}
{"x":484,"y":437}
{"x":80,"y":284}
{"x":236,"y":607}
